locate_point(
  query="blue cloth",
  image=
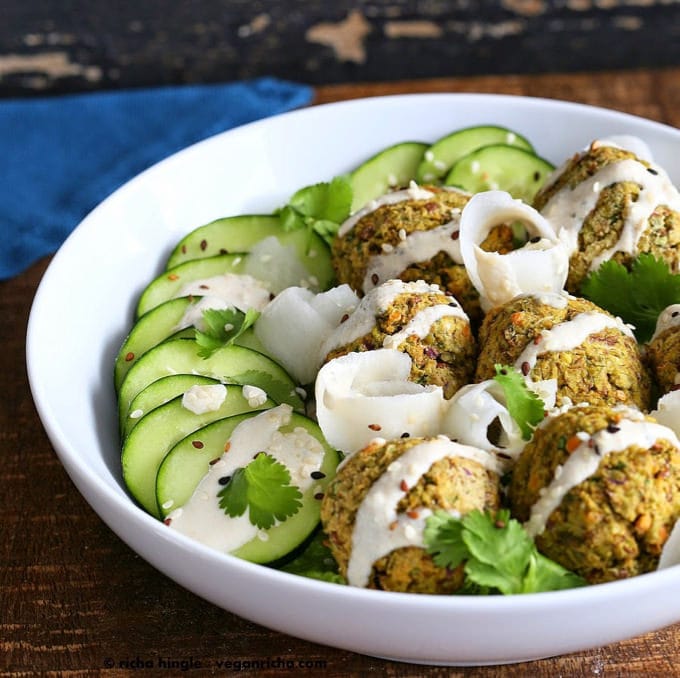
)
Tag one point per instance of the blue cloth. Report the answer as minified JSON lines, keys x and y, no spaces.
{"x":59,"y":157}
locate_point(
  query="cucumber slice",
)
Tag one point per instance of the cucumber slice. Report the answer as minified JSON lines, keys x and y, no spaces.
{"x":159,"y":324}
{"x":184,"y":467}
{"x":500,"y":167}
{"x":392,"y":167}
{"x":157,"y":432}
{"x":242,"y":233}
{"x":441,"y":156}
{"x":228,"y":364}
{"x":169,"y":284}
{"x":159,"y":392}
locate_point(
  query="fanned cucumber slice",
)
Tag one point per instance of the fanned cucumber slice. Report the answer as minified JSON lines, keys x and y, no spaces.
{"x":500,"y":167}
{"x":157,"y":432}
{"x":394,"y":166}
{"x":160,"y":323}
{"x":441,"y":156}
{"x":243,"y":233}
{"x":231,"y":364}
{"x":169,"y":284}
{"x":161,"y":391}
{"x":184,"y":467}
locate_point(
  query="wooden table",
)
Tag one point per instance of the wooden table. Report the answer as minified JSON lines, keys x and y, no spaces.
{"x":75,"y":600}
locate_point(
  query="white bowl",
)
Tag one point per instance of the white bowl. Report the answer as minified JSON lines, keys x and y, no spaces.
{"x":83,"y":309}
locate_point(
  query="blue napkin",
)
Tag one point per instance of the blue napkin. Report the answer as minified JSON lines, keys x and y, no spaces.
{"x":59,"y":157}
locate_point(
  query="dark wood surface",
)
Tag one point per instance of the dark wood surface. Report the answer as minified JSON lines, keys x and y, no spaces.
{"x":50,"y":46}
{"x":75,"y":600}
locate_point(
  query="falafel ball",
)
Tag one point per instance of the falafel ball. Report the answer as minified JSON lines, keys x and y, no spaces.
{"x":417,"y":319}
{"x":374,"y":510}
{"x":591,"y":354}
{"x":663,"y":350}
{"x":599,"y":490}
{"x":611,"y":204}
{"x":412,"y":235}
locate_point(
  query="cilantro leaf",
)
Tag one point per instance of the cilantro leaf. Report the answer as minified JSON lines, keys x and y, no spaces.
{"x":280,"y":392}
{"x":263,"y":487}
{"x":320,"y":208}
{"x":499,"y":555}
{"x":524,"y":406}
{"x":315,"y":562}
{"x":222,"y":328}
{"x":637,"y":295}
{"x":444,"y":539}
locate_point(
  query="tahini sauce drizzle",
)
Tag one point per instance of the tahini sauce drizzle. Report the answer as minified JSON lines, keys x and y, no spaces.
{"x":584,"y":461}
{"x":568,"y":208}
{"x":568,"y":335}
{"x":202,"y":518}
{"x":378,"y":528}
{"x":362,"y":320}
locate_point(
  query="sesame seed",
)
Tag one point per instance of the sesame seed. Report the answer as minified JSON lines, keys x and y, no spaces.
{"x":197,"y":444}
{"x":317,"y":475}
{"x":375,"y":279}
{"x":224,"y":480}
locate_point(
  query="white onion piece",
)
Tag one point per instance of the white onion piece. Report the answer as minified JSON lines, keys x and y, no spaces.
{"x":669,"y":317}
{"x":295,"y":324}
{"x":473,"y":409}
{"x":363,"y":396}
{"x":667,"y":411}
{"x":537,"y":267}
{"x":279,"y":266}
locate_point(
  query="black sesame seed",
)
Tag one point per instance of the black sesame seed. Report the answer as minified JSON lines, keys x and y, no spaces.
{"x":375,"y":279}
{"x":613,"y":428}
{"x":675,"y":314}
{"x":224,"y":480}
{"x":535,"y":239}
{"x":405,"y":434}
{"x":317,"y":475}
{"x":318,"y":496}
{"x":651,"y":170}
{"x":453,"y":304}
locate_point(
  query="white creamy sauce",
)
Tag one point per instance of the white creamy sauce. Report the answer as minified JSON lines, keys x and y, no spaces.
{"x":667,"y":411}
{"x":241,"y":291}
{"x":421,"y":323}
{"x":377,"y":301}
{"x":568,"y":208}
{"x":193,"y":315}
{"x":378,"y":529}
{"x":415,"y":247}
{"x":670,"y":317}
{"x":200,"y":399}
{"x":413,"y":192}
{"x":567,"y":336}
{"x":584,"y":461}
{"x":254,"y":395}
{"x":202,"y":518}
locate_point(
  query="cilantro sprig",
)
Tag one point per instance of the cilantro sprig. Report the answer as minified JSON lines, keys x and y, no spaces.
{"x":263,"y":488}
{"x":637,"y":295}
{"x":319,"y":208}
{"x":524,"y":406}
{"x":222,"y":328}
{"x":498,"y":554}
{"x":315,"y":562}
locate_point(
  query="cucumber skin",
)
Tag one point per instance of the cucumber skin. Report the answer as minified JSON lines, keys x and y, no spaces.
{"x":242,"y":233}
{"x":168,"y":284}
{"x":184,"y":467}
{"x":495,"y":161}
{"x":372,"y":178}
{"x":450,"y":148}
{"x":181,"y":355}
{"x":158,"y":431}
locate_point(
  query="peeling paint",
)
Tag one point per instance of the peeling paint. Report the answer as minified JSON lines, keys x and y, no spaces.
{"x":50,"y":65}
{"x":258,"y":24}
{"x":413,"y":29}
{"x":346,"y":37}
